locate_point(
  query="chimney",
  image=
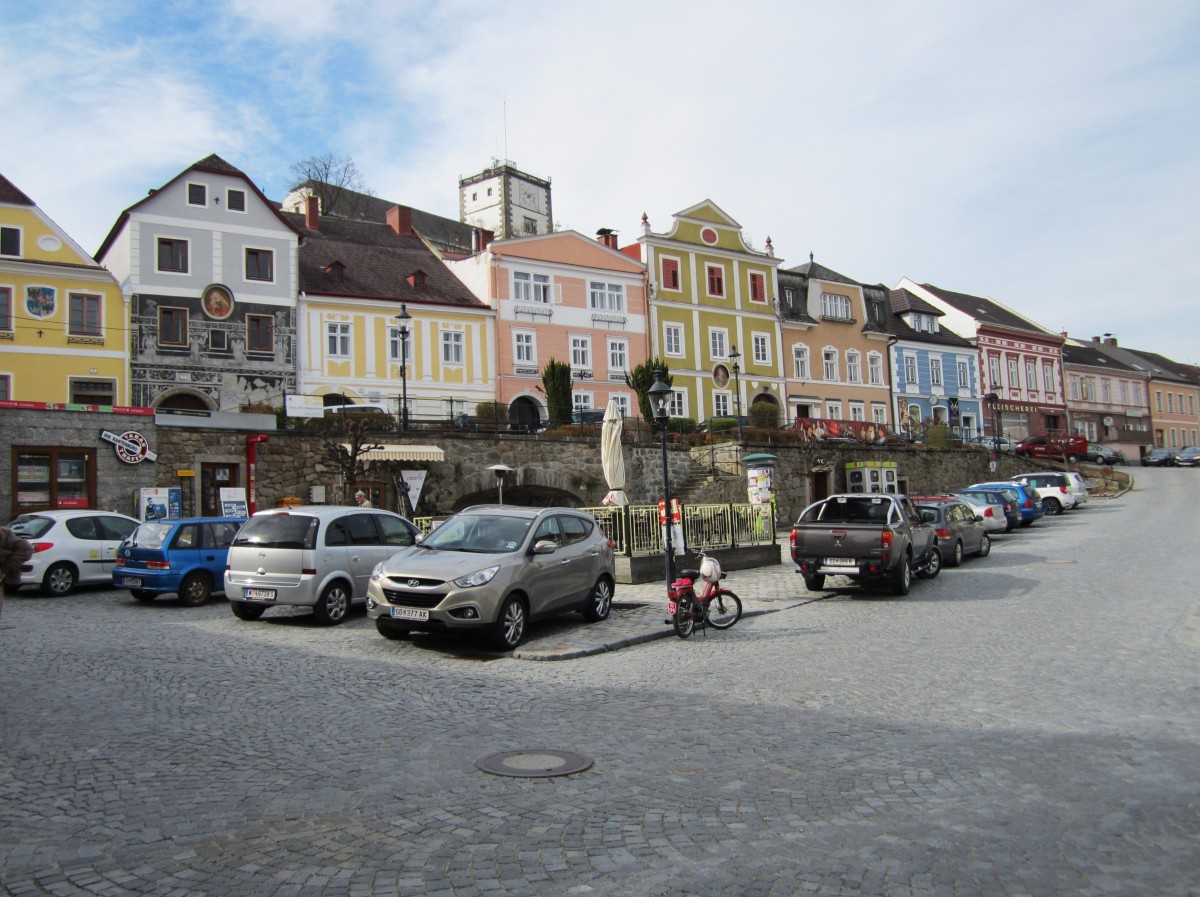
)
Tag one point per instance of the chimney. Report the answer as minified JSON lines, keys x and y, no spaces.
{"x":399,"y":219}
{"x":1096,"y":340}
{"x":312,"y":213}
{"x":1110,"y":341}
{"x":607,"y":237}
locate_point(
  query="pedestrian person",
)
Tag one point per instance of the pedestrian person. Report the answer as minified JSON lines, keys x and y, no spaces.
{"x":363,"y":501}
{"x":14,"y":552}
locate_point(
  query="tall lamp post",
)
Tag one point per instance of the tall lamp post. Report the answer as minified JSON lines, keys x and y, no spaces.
{"x":404,"y":317}
{"x":734,"y":356}
{"x":660,"y":403}
{"x":992,"y":398}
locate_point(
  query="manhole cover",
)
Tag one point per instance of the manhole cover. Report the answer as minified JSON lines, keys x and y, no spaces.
{"x":1059,"y":561}
{"x":535,"y":763}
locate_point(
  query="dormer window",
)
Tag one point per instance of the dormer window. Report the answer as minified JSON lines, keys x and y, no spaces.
{"x":416,"y":280}
{"x":336,"y":272}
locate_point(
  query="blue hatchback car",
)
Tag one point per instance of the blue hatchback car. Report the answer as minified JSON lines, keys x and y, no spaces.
{"x":1029,"y":503}
{"x":183,"y":555}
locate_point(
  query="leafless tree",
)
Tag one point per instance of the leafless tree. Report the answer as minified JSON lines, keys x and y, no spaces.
{"x":346,"y":447}
{"x":337,"y":184}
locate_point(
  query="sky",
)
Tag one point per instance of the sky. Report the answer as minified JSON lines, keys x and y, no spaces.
{"x":1044,"y":154}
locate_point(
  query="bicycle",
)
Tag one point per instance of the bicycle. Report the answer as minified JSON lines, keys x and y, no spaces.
{"x":715,"y":606}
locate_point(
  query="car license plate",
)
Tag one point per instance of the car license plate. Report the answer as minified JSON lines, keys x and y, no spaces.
{"x":409,"y":613}
{"x":131,"y":582}
{"x":259,"y":594}
{"x":840,"y":562}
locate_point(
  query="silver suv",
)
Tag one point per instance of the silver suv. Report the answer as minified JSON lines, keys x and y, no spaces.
{"x":311,"y":556}
{"x":493,"y":568}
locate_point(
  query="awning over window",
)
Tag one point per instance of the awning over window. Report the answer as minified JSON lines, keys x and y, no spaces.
{"x":401,"y":453}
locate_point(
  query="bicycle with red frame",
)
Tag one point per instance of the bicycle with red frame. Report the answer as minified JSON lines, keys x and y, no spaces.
{"x":714,"y":606}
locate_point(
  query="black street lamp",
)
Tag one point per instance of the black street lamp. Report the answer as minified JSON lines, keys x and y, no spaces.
{"x":734,"y":355}
{"x":404,"y":317}
{"x":992,"y":399}
{"x":660,"y":404}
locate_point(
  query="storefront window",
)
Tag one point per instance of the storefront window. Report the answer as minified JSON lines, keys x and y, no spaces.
{"x":48,"y":478}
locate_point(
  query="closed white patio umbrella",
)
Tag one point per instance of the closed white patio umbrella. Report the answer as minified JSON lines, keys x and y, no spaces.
{"x":612,"y":459}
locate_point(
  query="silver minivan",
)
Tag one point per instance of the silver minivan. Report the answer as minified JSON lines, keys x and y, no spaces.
{"x":314,"y":556}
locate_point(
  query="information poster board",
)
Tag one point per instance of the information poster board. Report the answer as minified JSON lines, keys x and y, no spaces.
{"x":233,"y":503}
{"x":159,"y":502}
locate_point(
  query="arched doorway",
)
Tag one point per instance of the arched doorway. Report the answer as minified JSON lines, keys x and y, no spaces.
{"x":525,"y":415}
{"x":185,"y":399}
{"x":766,"y":399}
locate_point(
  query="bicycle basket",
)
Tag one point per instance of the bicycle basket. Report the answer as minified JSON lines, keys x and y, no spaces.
{"x":710,"y":570}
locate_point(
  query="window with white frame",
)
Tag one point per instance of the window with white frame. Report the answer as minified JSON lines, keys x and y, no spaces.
{"x":172,"y":255}
{"x":833,"y":410}
{"x":524,"y":347}
{"x":1048,"y":378}
{"x":721,"y":404}
{"x":1124,"y":387}
{"x":337,"y":340}
{"x":92,"y":392}
{"x":581,"y":352}
{"x":1158,"y":401}
{"x":800,"y":362}
{"x":994,"y":370}
{"x":858,"y":411}
{"x":1106,"y":391}
{"x":1075,"y":388}
{"x":964,"y":373}
{"x":910,"y":370}
{"x":606,"y":296}
{"x":581,"y":401}
{"x":878,"y":413}
{"x":173,"y":326}
{"x":618,"y":354}
{"x":5,"y":387}
{"x":452,"y":347}
{"x":1031,"y":379}
{"x":197,"y":195}
{"x":6,"y":309}
{"x":235,"y":200}
{"x":1085,"y":387}
{"x":715,"y":275}
{"x":673,"y":339}
{"x":622,"y":401}
{"x":1014,"y":373}
{"x":935,"y":370}
{"x":677,"y":406}
{"x":717,"y":344}
{"x":1137,"y":395}
{"x":762,"y":348}
{"x":758,"y":287}
{"x":1170,"y":403}
{"x":670,"y":273}
{"x":10,"y":241}
{"x":853,"y":367}
{"x":874,"y":368}
{"x":528,"y":287}
{"x":830,"y":359}
{"x":260,"y":265}
{"x":396,"y":352}
{"x":835,"y":307}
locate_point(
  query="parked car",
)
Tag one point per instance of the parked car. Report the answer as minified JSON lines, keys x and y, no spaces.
{"x":1159,"y":457}
{"x":491,"y":569}
{"x":185,"y":556}
{"x":71,"y":547}
{"x":1008,"y":502}
{"x":960,"y":531}
{"x":1054,"y":447}
{"x":1188,"y":456}
{"x":990,"y":442}
{"x":1053,"y":489}
{"x":1103,"y":454}
{"x":1028,"y":502}
{"x":990,"y":511}
{"x":317,"y":556}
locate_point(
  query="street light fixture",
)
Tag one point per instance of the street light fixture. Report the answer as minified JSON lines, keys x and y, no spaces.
{"x":660,"y":404}
{"x":404,"y":317}
{"x":992,"y":398}
{"x":501,"y":470}
{"x":734,"y":355}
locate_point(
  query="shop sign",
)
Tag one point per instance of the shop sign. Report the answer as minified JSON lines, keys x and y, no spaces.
{"x":131,"y":446}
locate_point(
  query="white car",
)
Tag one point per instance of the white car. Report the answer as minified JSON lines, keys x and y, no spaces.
{"x":1053,"y":488}
{"x":71,"y":547}
{"x":992,"y":513}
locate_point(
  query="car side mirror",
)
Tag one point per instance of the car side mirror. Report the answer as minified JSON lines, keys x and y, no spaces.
{"x":418,"y":538}
{"x":544,"y":546}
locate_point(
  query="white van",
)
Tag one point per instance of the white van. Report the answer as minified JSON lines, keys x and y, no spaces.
{"x":361,"y":408}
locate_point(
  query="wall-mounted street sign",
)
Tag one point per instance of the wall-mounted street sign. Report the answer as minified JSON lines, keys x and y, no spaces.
{"x":131,"y":446}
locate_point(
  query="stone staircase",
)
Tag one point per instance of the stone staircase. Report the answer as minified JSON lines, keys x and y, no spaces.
{"x":703,"y":487}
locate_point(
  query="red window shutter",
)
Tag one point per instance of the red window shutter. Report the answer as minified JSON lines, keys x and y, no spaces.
{"x":670,"y":274}
{"x":757,"y":288}
{"x":716,"y":282}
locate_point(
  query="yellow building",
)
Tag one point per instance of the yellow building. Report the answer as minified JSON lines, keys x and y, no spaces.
{"x":712,"y":314}
{"x":63,"y":326}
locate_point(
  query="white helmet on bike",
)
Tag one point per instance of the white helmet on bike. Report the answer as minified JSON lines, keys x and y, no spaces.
{"x":710,"y":570}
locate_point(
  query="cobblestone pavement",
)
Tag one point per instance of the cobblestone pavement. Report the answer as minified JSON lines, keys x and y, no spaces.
{"x":1028,"y":724}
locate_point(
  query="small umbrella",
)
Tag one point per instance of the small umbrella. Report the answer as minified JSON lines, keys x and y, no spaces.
{"x":611,"y":457}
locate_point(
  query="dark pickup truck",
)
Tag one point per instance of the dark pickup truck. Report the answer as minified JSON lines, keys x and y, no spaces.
{"x":865,"y":536}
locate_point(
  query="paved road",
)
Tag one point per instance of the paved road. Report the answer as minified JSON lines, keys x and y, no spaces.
{"x":1026,"y":725}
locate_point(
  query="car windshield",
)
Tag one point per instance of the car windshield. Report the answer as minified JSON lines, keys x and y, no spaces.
{"x":150,"y":535}
{"x":481,"y":533}
{"x":31,"y":527}
{"x":279,"y":531}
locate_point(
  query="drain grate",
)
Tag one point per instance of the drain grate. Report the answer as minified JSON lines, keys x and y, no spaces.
{"x":534,"y":763}
{"x":1059,"y":561}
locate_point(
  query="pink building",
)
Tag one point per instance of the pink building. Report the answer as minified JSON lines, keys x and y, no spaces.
{"x":566,"y":297}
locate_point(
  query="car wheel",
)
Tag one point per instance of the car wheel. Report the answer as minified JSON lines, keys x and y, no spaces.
{"x":933,"y":566}
{"x":1052,"y":506}
{"x":599,"y":601}
{"x":901,"y":580}
{"x":195,"y":589}
{"x":244,"y":610}
{"x":59,"y":580}
{"x":510,"y":625}
{"x":142,"y":595}
{"x":957,"y":557}
{"x":985,"y":546}
{"x":333,"y":604}
{"x":814,"y":582}
{"x":387,"y":630}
